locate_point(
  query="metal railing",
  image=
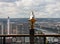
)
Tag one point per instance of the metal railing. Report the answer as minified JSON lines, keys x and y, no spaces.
{"x":27,"y":35}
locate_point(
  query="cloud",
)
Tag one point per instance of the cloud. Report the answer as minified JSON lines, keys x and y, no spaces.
{"x":50,"y":10}
{"x":7,"y":9}
{"x":7,"y":0}
{"x":23,"y":8}
{"x":53,"y":9}
{"x":29,"y":3}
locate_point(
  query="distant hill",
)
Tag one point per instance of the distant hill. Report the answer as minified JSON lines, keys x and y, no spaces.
{"x":26,"y":19}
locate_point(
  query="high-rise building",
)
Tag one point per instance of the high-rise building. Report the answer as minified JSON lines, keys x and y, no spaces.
{"x":1,"y":28}
{"x":13,"y":28}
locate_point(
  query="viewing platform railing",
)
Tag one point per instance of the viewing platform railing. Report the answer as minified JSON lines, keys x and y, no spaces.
{"x":27,"y":35}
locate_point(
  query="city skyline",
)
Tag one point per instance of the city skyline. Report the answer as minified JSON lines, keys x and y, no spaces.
{"x":23,"y":8}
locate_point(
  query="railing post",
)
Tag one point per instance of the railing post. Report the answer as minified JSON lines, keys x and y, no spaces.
{"x":4,"y":40}
{"x":31,"y":36}
{"x":44,"y":40}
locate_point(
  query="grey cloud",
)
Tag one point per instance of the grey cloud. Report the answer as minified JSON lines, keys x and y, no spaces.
{"x":7,"y":0}
{"x":23,"y":11}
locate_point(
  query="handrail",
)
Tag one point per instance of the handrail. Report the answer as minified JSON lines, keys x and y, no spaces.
{"x":27,"y":35}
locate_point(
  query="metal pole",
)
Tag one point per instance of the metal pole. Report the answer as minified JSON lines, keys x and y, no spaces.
{"x":31,"y":36}
{"x":2,"y":33}
{"x":2,"y":29}
{"x":8,"y":26}
{"x":4,"y":40}
{"x":58,"y":33}
{"x":44,"y":40}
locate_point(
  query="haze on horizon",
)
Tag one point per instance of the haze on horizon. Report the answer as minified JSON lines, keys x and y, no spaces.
{"x":23,"y":8}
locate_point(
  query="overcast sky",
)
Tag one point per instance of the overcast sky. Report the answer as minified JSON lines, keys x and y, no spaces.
{"x":23,"y":8}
